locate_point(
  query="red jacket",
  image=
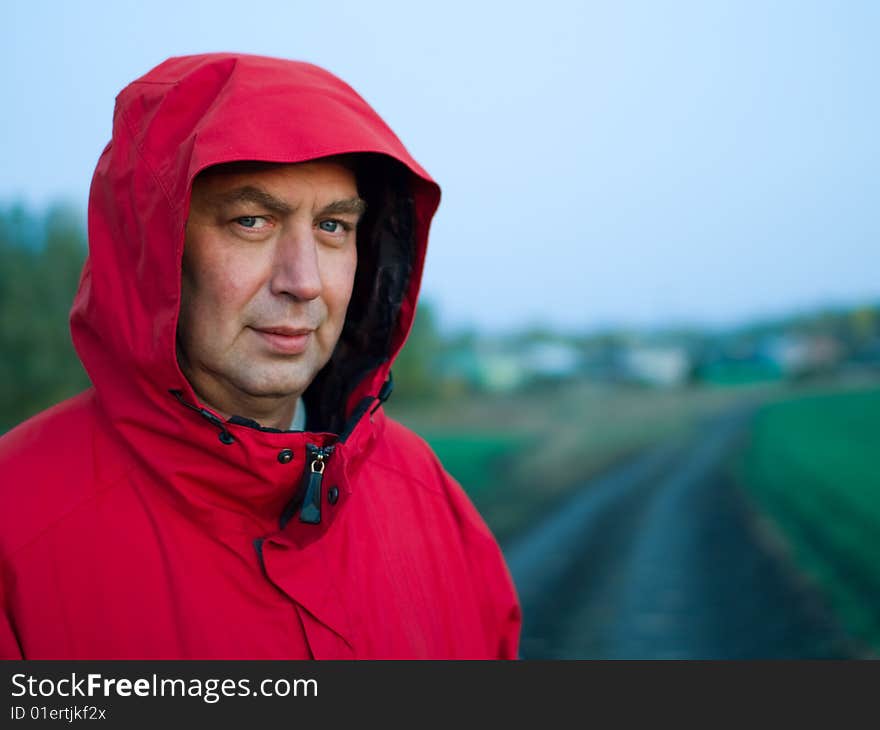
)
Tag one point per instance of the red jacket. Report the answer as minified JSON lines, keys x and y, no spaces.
{"x":135,"y":523}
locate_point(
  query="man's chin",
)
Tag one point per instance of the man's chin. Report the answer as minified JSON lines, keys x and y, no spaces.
{"x":275,"y":388}
{"x":277,"y":393}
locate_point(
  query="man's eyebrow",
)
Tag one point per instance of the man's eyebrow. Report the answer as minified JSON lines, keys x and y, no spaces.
{"x":349,"y":206}
{"x":251,"y":194}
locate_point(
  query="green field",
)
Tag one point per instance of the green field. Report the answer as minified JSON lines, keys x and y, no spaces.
{"x":476,"y":459}
{"x":813,"y":467}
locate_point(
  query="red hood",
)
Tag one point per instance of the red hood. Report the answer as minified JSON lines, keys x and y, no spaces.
{"x":193,"y":112}
{"x":185,"y":115}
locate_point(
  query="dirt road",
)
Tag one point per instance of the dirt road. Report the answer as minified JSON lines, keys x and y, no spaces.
{"x":663,"y":557}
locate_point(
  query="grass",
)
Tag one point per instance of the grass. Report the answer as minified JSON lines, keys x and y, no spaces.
{"x":813,"y":466}
{"x":476,"y":459}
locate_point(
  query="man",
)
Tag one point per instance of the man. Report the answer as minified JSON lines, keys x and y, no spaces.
{"x":230,"y":487}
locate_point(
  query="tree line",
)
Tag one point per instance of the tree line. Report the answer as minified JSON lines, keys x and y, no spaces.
{"x":41,"y":257}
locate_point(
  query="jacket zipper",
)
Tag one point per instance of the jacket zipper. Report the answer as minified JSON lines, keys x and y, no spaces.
{"x":310,"y":512}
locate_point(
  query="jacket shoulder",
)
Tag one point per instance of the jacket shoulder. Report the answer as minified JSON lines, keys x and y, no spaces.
{"x":47,"y":464}
{"x":404,"y":452}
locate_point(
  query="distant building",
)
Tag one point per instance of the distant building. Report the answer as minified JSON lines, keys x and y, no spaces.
{"x":551,"y":360}
{"x":660,"y":365}
{"x":500,"y":366}
{"x":483,"y":368}
{"x":797,"y":355}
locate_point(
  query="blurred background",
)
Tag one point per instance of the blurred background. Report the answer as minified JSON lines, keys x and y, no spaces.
{"x":648,"y":344}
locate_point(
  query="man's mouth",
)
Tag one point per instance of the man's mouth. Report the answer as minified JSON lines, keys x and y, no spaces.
{"x":284,"y":339}
{"x":285,"y":331}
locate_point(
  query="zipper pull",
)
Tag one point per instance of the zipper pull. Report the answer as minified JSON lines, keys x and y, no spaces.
{"x":311,"y":506}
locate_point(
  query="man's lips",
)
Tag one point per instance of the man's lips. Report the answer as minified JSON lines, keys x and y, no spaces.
{"x":285,"y":331}
{"x":286,"y":340}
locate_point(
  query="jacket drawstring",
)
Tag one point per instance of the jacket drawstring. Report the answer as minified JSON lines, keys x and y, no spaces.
{"x":364,"y":405}
{"x":225,"y":437}
{"x":384,"y":392}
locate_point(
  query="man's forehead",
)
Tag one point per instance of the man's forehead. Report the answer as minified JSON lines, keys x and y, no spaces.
{"x":265,"y":183}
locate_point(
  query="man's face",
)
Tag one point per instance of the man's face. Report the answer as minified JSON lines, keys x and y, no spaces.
{"x":268,"y":268}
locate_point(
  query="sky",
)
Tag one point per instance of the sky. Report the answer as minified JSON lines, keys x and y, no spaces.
{"x":640,"y":164}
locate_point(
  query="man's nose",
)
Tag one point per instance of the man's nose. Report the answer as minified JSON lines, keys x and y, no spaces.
{"x":295,"y":269}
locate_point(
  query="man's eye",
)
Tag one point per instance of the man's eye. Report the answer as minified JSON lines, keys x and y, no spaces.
{"x":253,"y":222}
{"x":333,"y":226}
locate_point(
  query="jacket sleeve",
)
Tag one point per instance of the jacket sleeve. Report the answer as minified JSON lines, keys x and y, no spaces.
{"x":499,"y":610}
{"x":504,"y":616}
{"x":500,"y":607}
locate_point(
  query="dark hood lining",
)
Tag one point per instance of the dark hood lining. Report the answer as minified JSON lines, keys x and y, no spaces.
{"x":386,"y":250}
